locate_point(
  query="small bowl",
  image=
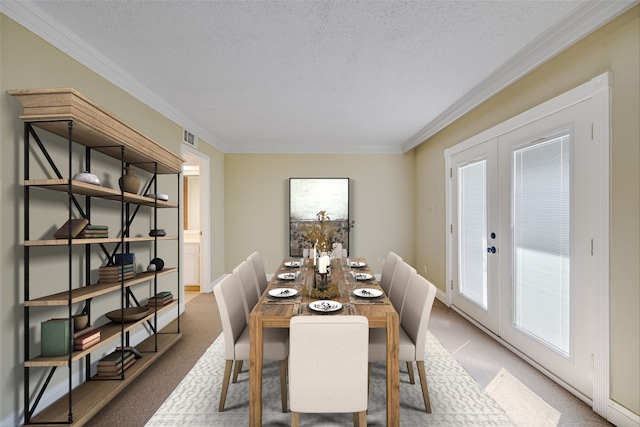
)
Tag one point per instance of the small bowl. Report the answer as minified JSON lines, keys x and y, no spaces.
{"x":86,"y":177}
{"x":80,"y":321}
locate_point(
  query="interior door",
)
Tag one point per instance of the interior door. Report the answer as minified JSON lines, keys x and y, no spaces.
{"x":522,"y":210}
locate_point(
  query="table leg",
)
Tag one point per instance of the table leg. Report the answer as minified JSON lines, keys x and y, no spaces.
{"x":393,"y":370}
{"x":255,"y":370}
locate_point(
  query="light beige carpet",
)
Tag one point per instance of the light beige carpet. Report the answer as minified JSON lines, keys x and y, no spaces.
{"x":523,"y":406}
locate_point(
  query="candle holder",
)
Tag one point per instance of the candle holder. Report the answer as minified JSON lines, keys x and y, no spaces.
{"x":323,"y":283}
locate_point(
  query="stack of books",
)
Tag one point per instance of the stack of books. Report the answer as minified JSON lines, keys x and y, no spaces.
{"x":113,"y":364}
{"x":91,"y":231}
{"x":115,"y":273}
{"x":160,"y":299}
{"x":85,"y":338}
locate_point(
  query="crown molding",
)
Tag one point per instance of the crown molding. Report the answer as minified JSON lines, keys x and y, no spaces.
{"x":36,"y":20}
{"x":582,"y":22}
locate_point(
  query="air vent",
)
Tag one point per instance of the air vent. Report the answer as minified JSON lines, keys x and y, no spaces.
{"x":189,"y":138}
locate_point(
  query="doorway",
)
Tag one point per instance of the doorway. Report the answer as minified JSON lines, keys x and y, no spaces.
{"x":195,"y":221}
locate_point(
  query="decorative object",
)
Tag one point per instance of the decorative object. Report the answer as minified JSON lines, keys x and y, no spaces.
{"x":131,"y":314}
{"x":318,"y":210}
{"x":80,"y":321}
{"x":129,"y":182}
{"x":87,"y":177}
{"x":332,"y":291}
{"x":157,"y":232}
{"x":156,"y":264}
{"x":164,"y":197}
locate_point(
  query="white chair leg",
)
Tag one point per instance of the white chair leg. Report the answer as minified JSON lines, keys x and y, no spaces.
{"x":225,"y":384}
{"x":423,"y":384}
{"x":237,"y":370}
{"x":283,"y":384}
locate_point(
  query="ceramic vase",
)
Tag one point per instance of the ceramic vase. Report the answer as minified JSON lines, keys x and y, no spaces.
{"x":129,"y":182}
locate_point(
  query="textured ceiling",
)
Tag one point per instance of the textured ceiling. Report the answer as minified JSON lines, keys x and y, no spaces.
{"x":307,"y":76}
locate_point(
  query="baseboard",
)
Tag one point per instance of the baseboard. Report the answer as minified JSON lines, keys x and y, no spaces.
{"x":620,"y":416}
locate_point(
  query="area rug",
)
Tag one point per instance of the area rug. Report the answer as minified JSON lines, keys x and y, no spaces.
{"x":523,"y":406}
{"x":456,"y":399}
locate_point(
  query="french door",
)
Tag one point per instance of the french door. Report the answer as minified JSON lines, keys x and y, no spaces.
{"x":522,"y":229}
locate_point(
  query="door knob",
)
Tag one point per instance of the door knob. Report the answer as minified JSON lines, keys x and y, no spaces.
{"x":491,"y":250}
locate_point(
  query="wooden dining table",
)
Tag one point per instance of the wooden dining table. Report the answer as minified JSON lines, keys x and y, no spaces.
{"x":272,"y":312}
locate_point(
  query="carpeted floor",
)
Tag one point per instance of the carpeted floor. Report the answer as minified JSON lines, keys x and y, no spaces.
{"x":200,"y":326}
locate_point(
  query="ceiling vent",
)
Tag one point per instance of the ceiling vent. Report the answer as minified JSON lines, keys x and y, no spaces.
{"x":189,"y":138}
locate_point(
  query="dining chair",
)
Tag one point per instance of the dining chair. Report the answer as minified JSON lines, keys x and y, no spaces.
{"x":389,"y":266}
{"x":247,"y":282}
{"x":399,"y":282}
{"x":235,"y":331}
{"x":258,"y":268}
{"x":414,"y":322}
{"x":328,"y":366}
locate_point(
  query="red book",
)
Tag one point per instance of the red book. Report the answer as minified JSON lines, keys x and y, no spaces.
{"x":89,"y":336}
{"x":87,"y":344}
{"x":81,"y":332}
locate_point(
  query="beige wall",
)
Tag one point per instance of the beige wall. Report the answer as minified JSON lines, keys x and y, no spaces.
{"x":257,"y":210}
{"x":616,"y":48}
{"x":27,"y":62}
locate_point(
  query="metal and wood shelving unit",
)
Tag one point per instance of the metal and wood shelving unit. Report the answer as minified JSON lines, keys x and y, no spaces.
{"x":68,"y":114}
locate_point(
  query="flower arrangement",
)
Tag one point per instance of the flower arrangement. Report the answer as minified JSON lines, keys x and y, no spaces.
{"x":323,"y":232}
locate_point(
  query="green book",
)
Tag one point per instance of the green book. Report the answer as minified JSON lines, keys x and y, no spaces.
{"x":96,"y":227}
{"x":55,"y":337}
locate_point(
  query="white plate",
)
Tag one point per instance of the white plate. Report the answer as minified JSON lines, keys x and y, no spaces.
{"x":292,"y":264}
{"x":287,"y":276}
{"x":358,"y":264}
{"x":368,"y":293}
{"x":364,"y":276}
{"x":283,"y":292}
{"x":325,"y":306}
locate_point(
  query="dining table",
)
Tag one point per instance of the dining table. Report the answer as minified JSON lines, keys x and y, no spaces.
{"x":296,"y":290}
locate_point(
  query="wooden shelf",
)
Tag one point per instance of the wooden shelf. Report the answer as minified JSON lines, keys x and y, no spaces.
{"x":64,"y":242}
{"x":95,"y":127}
{"x":86,"y":189}
{"x":108,"y":332}
{"x":91,"y":396}
{"x":86,"y":292}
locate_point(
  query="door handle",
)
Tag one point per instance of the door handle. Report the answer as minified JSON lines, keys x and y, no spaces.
{"x":491,"y":250}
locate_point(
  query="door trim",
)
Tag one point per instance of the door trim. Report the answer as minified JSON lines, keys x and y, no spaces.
{"x":598,"y":90}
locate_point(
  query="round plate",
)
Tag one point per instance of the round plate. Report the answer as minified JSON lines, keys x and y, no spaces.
{"x":283,"y":293}
{"x":287,"y":276}
{"x":131,"y":314}
{"x":364,"y":276}
{"x":358,"y":264}
{"x":292,"y":264}
{"x":325,"y":306}
{"x":368,"y":293}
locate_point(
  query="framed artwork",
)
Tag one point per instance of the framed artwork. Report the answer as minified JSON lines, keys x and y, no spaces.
{"x":307,"y":198}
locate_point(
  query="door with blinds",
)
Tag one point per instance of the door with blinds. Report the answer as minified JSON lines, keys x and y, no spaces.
{"x":522,"y":225}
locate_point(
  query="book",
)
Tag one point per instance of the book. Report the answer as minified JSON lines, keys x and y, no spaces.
{"x":116,"y":268}
{"x":85,"y":235}
{"x":86,"y":344}
{"x":113,"y":368}
{"x":96,"y":227}
{"x":113,"y":358}
{"x":55,"y":337}
{"x":71,"y":228}
{"x":81,"y":332}
{"x":116,"y":276}
{"x":136,"y":353}
{"x":116,"y":372}
{"x":159,"y":303}
{"x":162,"y":294}
{"x":160,"y":299}
{"x":89,"y":336}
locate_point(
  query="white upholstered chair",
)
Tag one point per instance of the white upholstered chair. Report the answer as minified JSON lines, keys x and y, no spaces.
{"x":235,"y":331}
{"x":258,"y":268}
{"x":389,"y":266}
{"x":399,"y":282}
{"x":328,"y":366}
{"x":248,"y":283}
{"x":413,"y":332}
